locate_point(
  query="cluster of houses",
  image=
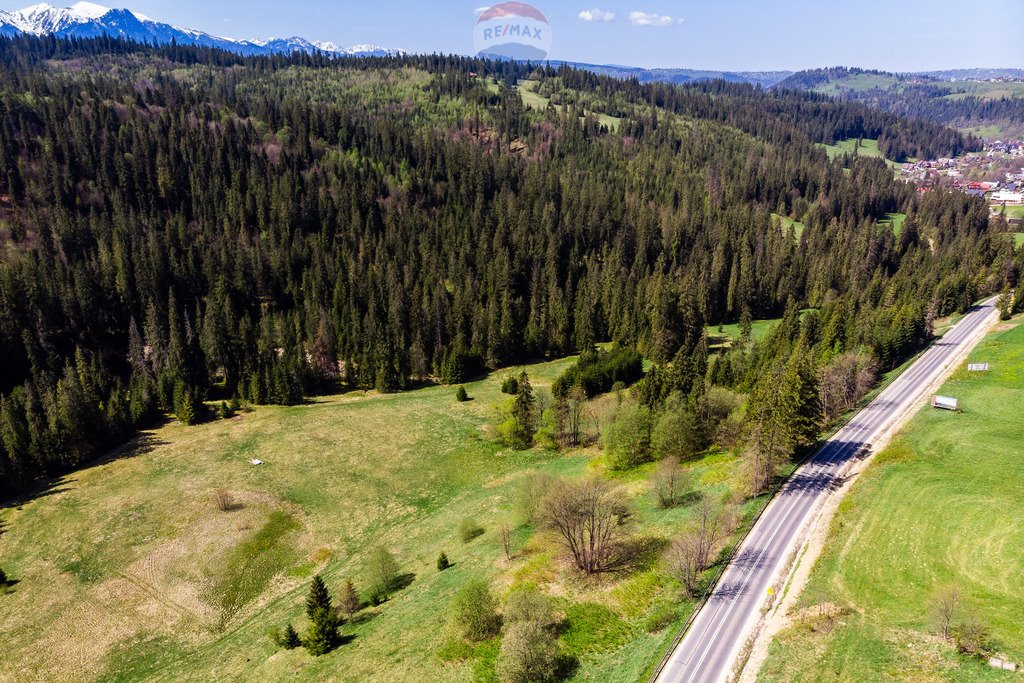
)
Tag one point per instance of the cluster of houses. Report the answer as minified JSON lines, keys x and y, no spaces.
{"x":1001,"y":161}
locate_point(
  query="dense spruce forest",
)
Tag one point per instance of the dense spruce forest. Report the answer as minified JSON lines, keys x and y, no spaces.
{"x":180,"y":225}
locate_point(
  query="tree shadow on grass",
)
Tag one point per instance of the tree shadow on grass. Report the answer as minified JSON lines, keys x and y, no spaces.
{"x":403,"y":581}
{"x":566,"y":667}
{"x":638,"y":553}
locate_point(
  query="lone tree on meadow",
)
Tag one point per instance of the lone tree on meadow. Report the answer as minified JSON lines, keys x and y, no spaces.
{"x":669,"y":483}
{"x":474,"y":611}
{"x":348,"y":601}
{"x":528,"y":654}
{"x":588,"y":517}
{"x":381,"y":575}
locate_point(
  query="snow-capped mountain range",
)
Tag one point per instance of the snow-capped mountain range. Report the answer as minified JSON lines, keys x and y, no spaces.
{"x":88,"y":20}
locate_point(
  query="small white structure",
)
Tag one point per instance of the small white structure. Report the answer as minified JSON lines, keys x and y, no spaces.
{"x":1013,"y":198}
{"x":945,"y":403}
{"x":977,"y":367}
{"x":1002,"y":663}
{"x":254,"y":461}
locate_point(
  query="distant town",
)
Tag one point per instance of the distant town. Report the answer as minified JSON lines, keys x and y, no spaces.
{"x":995,"y":174}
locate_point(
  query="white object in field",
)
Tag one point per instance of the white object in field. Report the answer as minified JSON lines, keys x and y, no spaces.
{"x":945,"y":403}
{"x":1001,"y":663}
{"x":977,"y":367}
{"x":254,"y":461}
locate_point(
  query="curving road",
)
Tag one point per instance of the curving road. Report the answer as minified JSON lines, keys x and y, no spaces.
{"x":709,"y":651}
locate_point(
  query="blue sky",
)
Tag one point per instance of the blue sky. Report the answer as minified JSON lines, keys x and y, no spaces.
{"x":902,"y":35}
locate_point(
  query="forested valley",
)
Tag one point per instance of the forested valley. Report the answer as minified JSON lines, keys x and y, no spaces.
{"x":181,"y":225}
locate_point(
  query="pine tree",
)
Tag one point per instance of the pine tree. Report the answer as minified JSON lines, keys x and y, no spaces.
{"x":443,"y":562}
{"x":318,"y":597}
{"x":524,"y":413}
{"x":322,"y":634}
{"x":186,"y":410}
{"x":349,"y":599}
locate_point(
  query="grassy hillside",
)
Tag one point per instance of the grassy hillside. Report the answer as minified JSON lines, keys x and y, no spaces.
{"x":128,"y":570}
{"x":868,"y":148}
{"x":940,"y":507}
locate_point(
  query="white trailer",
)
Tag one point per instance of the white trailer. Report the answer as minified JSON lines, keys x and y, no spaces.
{"x":945,"y":403}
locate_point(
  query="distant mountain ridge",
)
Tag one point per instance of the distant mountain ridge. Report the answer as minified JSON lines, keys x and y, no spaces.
{"x":836,"y":79}
{"x":681,"y":76}
{"x":89,"y":20}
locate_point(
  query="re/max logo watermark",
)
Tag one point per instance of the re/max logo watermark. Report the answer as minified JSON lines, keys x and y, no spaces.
{"x":509,"y":30}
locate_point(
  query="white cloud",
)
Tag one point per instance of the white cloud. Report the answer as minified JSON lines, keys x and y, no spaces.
{"x":649,"y":19}
{"x":596,"y":15}
{"x":480,"y":10}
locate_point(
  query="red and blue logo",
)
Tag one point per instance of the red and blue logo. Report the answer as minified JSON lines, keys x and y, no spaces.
{"x":512,"y":30}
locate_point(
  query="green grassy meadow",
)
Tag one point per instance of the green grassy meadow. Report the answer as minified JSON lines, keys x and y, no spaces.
{"x":868,"y":148}
{"x":941,"y":506}
{"x":128,"y":571}
{"x":1011,"y":211}
{"x":894,"y":221}
{"x":787,"y":223}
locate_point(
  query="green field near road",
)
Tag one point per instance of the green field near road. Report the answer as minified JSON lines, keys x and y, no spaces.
{"x":942,"y":506}
{"x":127,"y":570}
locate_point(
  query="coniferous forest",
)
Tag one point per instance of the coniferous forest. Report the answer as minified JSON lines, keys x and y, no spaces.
{"x":180,"y":224}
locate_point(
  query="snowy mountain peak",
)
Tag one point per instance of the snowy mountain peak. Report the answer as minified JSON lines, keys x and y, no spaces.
{"x":89,"y":20}
{"x":88,"y":10}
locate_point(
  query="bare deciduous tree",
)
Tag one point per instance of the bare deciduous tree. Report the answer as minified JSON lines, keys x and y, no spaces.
{"x":505,"y":536}
{"x":946,"y":605}
{"x":843,"y":382}
{"x":588,"y":517}
{"x":694,"y":550}
{"x":670,"y":483}
{"x":683,"y":559}
{"x":570,"y":413}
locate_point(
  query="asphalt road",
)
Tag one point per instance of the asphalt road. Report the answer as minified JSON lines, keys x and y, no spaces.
{"x":710,"y":648}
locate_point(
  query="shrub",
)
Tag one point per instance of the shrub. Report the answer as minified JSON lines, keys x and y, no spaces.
{"x":669,"y":483}
{"x":460,"y":395}
{"x":628,"y":439}
{"x":510,"y":386}
{"x":529,"y":605}
{"x":469,"y":530}
{"x":532,"y":490}
{"x":224,"y":411}
{"x":381,"y":575}
{"x":973,"y":638}
{"x":676,"y":434}
{"x":474,"y":611}
{"x":596,"y":371}
{"x":3,"y":578}
{"x":660,"y":619}
{"x":287,"y":638}
{"x":223,"y":499}
{"x":528,"y":654}
{"x":443,"y":562}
